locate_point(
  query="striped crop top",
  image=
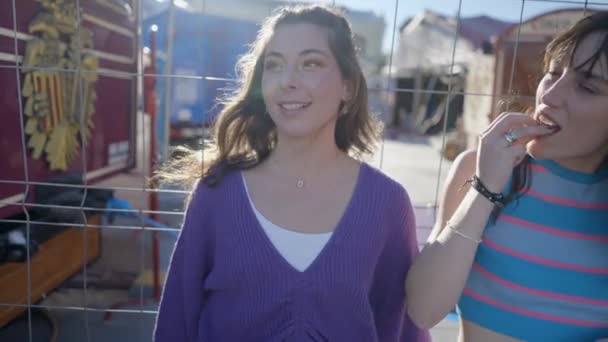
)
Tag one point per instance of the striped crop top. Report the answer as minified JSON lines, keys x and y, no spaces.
{"x":541,"y":272}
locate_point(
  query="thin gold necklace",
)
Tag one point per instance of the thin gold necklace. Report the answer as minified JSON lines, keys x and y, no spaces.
{"x":300,"y":183}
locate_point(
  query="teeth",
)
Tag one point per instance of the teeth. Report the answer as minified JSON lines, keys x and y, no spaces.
{"x":293,"y":106}
{"x":543,"y":120}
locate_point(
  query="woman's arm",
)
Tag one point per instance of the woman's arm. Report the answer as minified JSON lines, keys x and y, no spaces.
{"x":182,"y":298}
{"x":438,"y":276}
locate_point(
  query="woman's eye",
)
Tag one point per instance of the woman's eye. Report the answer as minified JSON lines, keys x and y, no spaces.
{"x":272,"y":66}
{"x":311,"y":64}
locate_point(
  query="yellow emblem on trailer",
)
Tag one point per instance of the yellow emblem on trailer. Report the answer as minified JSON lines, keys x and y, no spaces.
{"x":59,"y":84}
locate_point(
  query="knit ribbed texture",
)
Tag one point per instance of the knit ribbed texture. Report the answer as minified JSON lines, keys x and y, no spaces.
{"x":541,"y":272}
{"x":227,"y":282}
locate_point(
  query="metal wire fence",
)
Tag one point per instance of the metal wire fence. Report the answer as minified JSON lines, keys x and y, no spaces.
{"x":28,"y":182}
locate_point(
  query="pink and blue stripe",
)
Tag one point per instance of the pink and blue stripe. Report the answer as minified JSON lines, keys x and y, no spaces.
{"x":541,"y":272}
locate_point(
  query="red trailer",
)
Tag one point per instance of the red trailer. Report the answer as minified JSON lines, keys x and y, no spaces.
{"x":68,"y":80}
{"x":61,"y":104}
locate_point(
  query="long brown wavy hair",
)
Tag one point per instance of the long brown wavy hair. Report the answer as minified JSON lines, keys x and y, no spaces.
{"x":244,"y":134}
{"x":563,"y":45}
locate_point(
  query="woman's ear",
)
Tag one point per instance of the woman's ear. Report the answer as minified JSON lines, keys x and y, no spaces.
{"x":347,"y":91}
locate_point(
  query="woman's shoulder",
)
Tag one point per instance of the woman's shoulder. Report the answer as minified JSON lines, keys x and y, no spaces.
{"x":383,"y":186}
{"x":206,"y":192}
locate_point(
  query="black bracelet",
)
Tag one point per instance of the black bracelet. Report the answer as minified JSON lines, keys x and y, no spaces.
{"x":495,"y":197}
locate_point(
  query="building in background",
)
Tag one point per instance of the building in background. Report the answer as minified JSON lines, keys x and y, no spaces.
{"x":512,"y":69}
{"x":367,"y":26}
{"x":494,"y":63}
{"x":423,"y":72}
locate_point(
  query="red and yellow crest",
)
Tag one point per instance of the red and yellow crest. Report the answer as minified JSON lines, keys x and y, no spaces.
{"x":59,"y":84}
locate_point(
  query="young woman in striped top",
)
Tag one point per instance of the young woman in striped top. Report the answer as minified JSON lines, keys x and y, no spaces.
{"x":522,"y":248}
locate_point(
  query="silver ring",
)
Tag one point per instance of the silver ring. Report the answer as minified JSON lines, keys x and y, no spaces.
{"x":510,"y":137}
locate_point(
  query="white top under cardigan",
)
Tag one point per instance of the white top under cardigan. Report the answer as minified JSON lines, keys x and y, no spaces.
{"x":299,"y":249}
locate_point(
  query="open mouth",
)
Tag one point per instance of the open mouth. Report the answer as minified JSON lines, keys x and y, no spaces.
{"x":293,"y":106}
{"x":546,"y":121}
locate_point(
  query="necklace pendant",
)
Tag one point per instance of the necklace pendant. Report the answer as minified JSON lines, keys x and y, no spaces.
{"x":300,"y":184}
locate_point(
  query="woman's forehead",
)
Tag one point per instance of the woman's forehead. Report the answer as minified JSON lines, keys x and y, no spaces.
{"x":307,"y":35}
{"x":588,"y":54}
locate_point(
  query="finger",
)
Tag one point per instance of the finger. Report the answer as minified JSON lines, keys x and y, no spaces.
{"x":517,"y":150}
{"x":519,"y":153}
{"x":510,"y":121}
{"x":526,"y":133}
{"x":494,"y":122}
{"x":505,"y":121}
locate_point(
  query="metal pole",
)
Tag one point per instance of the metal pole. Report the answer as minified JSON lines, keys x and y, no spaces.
{"x":168,"y":80}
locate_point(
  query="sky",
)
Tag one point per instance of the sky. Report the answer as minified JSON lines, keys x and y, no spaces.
{"x":508,"y":10}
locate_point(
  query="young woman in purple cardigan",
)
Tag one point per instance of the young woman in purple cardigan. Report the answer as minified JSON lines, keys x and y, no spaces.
{"x":288,"y":236}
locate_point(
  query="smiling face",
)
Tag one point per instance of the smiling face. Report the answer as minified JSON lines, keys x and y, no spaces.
{"x":302,"y":85}
{"x":572,"y":98}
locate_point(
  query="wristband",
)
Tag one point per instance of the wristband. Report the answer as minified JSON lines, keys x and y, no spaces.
{"x":495,"y":197}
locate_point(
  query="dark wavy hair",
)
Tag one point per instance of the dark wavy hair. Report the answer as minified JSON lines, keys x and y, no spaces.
{"x":563,"y":45}
{"x":244,"y":135}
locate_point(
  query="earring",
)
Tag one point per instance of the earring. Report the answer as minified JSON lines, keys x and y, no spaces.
{"x":344,"y":109}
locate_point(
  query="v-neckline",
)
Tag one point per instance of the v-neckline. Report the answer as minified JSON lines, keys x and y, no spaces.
{"x":336,"y":233}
